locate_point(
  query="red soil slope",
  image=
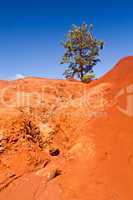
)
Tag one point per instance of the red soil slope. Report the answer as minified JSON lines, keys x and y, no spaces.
{"x":91,"y":125}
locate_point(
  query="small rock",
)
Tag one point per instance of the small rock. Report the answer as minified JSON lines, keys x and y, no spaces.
{"x":53,"y":174}
{"x":49,"y":173}
{"x":54,"y":152}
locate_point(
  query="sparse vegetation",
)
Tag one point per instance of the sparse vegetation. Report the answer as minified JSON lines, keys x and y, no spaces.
{"x":82,"y":53}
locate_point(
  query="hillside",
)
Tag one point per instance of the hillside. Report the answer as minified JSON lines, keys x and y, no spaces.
{"x":90,"y":125}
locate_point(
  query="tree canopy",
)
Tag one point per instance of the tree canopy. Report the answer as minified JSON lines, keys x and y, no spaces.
{"x":82,"y":52}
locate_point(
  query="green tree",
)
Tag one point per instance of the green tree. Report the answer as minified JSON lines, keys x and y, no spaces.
{"x":82,"y":52}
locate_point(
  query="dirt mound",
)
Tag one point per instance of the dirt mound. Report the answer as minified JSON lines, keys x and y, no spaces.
{"x":121,"y":74}
{"x":90,"y":126}
{"x":3,"y":84}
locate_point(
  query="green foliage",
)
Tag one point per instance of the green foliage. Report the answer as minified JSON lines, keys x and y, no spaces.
{"x":87,"y":78}
{"x":82,"y":52}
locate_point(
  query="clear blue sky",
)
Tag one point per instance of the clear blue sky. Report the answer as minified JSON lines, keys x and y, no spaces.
{"x":31,"y":31}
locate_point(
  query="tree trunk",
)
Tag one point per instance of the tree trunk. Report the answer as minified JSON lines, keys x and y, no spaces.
{"x":81,"y":72}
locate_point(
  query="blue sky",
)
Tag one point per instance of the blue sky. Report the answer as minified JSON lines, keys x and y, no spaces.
{"x":31,"y":31}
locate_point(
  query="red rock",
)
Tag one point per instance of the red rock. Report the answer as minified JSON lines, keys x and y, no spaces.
{"x":92,"y":125}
